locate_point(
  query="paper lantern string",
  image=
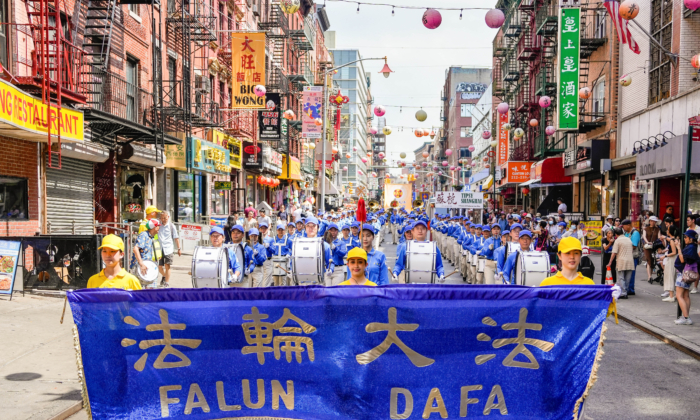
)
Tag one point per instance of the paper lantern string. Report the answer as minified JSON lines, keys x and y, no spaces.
{"x":393,"y":6}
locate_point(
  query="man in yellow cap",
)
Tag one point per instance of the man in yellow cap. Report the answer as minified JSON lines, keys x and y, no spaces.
{"x":569,"y":253}
{"x":357,"y":264}
{"x":113,"y":276}
{"x":151,"y":213}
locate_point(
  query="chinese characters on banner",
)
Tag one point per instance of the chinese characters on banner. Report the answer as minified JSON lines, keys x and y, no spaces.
{"x":459,"y":200}
{"x":400,"y":193}
{"x":269,"y":120}
{"x":519,"y":172}
{"x":248,"y":62}
{"x":568,"y":71}
{"x":311,"y":110}
{"x":503,"y":138}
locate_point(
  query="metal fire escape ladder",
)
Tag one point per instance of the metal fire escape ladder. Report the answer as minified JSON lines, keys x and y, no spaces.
{"x":98,"y":28}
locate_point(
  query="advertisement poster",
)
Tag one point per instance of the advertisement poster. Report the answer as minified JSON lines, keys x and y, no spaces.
{"x":191,"y":232}
{"x":397,"y":196}
{"x":269,"y":121}
{"x":568,"y":68}
{"x":503,"y":138}
{"x":9,"y":254}
{"x":252,"y":157}
{"x":519,"y":172}
{"x":248,"y":49}
{"x":594,"y":235}
{"x":311,"y":112}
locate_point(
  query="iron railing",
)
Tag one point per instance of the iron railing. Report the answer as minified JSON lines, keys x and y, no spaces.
{"x":110,"y":93}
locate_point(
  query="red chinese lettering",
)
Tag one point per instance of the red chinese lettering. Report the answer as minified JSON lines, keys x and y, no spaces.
{"x":240,"y":77}
{"x":246,"y":45}
{"x":256,"y":77}
{"x":247,"y":62}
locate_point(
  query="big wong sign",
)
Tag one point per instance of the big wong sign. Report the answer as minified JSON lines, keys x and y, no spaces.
{"x":248,"y":49}
{"x":568,"y":68}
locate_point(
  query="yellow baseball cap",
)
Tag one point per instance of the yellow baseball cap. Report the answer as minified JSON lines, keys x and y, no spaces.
{"x":357,"y":253}
{"x":152,"y":209}
{"x":112,"y":242}
{"x":569,"y":244}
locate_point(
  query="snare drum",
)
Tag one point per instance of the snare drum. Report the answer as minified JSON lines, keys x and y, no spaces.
{"x":307,"y":261}
{"x":474,"y":260}
{"x":531,"y":268}
{"x":481,"y":263}
{"x":210,"y":267}
{"x":279,"y":265}
{"x":151,"y":273}
{"x":420,"y":262}
{"x":469,"y":257}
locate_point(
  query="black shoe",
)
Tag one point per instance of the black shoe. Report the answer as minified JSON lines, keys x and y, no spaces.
{"x":623,"y":297}
{"x":164,"y":283}
{"x":630,"y":293}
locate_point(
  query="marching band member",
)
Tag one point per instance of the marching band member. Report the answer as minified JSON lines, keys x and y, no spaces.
{"x":466,"y":241}
{"x":280,"y":246}
{"x":300,"y":233}
{"x":266,"y":241}
{"x":378,"y":229}
{"x":377,"y":270}
{"x":257,"y":273}
{"x":395,"y":220}
{"x":525,"y":240}
{"x":407,"y":236}
{"x":338,"y":252}
{"x":488,"y":251}
{"x":466,"y":247}
{"x":475,"y":249}
{"x":291,"y":230}
{"x":312,"y":232}
{"x":357,"y":266}
{"x":500,"y":253}
{"x":481,"y":252}
{"x":243,"y":253}
{"x":348,"y":240}
{"x":217,"y":236}
{"x":420,"y":234}
{"x":457,"y":248}
{"x":355,"y":232}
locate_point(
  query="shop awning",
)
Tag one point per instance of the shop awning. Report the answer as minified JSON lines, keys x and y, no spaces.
{"x":331,"y":189}
{"x":488,"y":182}
{"x":479,"y":176}
{"x":530,"y":182}
{"x":551,"y":170}
{"x":147,"y":157}
{"x":294,"y":169}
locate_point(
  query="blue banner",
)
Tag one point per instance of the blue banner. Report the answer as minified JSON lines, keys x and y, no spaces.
{"x":399,"y":352}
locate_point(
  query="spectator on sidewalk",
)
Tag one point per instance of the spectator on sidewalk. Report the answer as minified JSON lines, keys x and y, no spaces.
{"x":282,"y":215}
{"x":251,"y":208}
{"x":691,"y":222}
{"x":669,"y":261}
{"x":562,"y":207}
{"x":689,"y":255}
{"x":622,"y":252}
{"x":635,"y":237}
{"x":608,"y":243}
{"x":168,"y":239}
{"x":650,"y":236}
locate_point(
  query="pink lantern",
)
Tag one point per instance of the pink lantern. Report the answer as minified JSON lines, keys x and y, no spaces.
{"x":495,"y":18}
{"x":471,"y":148}
{"x":364,"y":160}
{"x":448,"y":152}
{"x":486,"y":135}
{"x":259,"y":90}
{"x":432,"y":19}
{"x":354,"y":149}
{"x":425,"y":154}
{"x":545,"y":101}
{"x":345,"y":168}
{"x":452,"y":168}
{"x":435,"y":168}
{"x":503,"y":108}
{"x":359,"y":172}
{"x":373,"y":130}
{"x":381,"y":155}
{"x":550,"y":130}
{"x":473,"y":164}
{"x":534,"y":123}
{"x":379,"y":111}
{"x":424,"y":164}
{"x":692,"y":4}
{"x":445,"y":163}
{"x":488,"y":165}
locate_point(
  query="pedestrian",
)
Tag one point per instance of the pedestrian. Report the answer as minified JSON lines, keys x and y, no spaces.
{"x":622,"y":253}
{"x":357,"y":267}
{"x":169,"y":239}
{"x":669,"y":261}
{"x":251,"y":208}
{"x":542,"y":237}
{"x":609,"y":221}
{"x":240,"y":218}
{"x":617,"y":223}
{"x":636,"y":238}
{"x":250,"y":222}
{"x":230,"y":222}
{"x":608,"y":243}
{"x":113,"y":276}
{"x":151,"y":213}
{"x":147,"y":247}
{"x":569,"y":254}
{"x":650,"y":236}
{"x":691,"y":222}
{"x":669,"y":214}
{"x":282,"y":215}
{"x":257,"y":272}
{"x":687,"y":266}
{"x":562,"y":207}
{"x":296,"y":213}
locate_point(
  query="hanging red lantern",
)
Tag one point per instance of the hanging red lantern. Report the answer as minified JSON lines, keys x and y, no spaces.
{"x":261,"y":180}
{"x":525,"y":191}
{"x":695,"y":61}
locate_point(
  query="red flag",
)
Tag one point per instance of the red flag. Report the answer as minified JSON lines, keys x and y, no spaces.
{"x":623,"y":32}
{"x":361,"y":212}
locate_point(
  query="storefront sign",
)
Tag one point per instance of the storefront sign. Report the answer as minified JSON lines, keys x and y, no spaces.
{"x":228,"y":142}
{"x":269,"y":120}
{"x":503,"y":138}
{"x":252,"y":157}
{"x":695,"y":123}
{"x":292,"y":172}
{"x":272,"y":160}
{"x":24,"y":116}
{"x":248,"y":69}
{"x":568,"y":68}
{"x":209,"y":157}
{"x":191,"y":232}
{"x":518,"y":172}
{"x":664,"y":161}
{"x":312,"y":104}
{"x":176,"y":157}
{"x":586,"y":156}
{"x":459,"y":200}
{"x":569,"y":158}
{"x":222,"y":185}
{"x":9,"y":254}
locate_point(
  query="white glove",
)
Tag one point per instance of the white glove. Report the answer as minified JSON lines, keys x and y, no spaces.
{"x":464,"y":252}
{"x":616,"y":291}
{"x":329,"y":271}
{"x":441,"y":279}
{"x":247,"y":271}
{"x":332,"y":246}
{"x":490,"y":247}
{"x":255,"y":252}
{"x":394,"y":277}
{"x":267,"y":244}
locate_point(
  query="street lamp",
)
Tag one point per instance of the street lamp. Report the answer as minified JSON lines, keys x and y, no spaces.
{"x":386,"y":71}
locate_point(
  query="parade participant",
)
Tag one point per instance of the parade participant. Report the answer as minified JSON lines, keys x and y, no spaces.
{"x":168,"y":237}
{"x":500,"y":253}
{"x":257,"y":272}
{"x":291,"y":229}
{"x":147,"y":247}
{"x":322,"y":224}
{"x":355,"y":232}
{"x":569,"y":253}
{"x":217,"y":238}
{"x":266,"y":241}
{"x":113,"y":276}
{"x":466,"y":241}
{"x":243,"y":253}
{"x":481,"y":252}
{"x":377,"y":270}
{"x":348,"y":240}
{"x":357,"y":267}
{"x":312,"y":232}
{"x":457,"y":248}
{"x":151,"y":213}
{"x":488,"y":251}
{"x":474,"y":250}
{"x":407,"y":236}
{"x":395,"y":220}
{"x":466,"y":250}
{"x":525,"y":240}
{"x":420,"y":234}
{"x":338,"y":252}
{"x":300,"y":233}
{"x":280,"y":246}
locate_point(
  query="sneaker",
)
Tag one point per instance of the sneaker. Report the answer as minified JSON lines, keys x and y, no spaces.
{"x":164,"y":283}
{"x":694,"y":290}
{"x":665,"y":294}
{"x":688,"y":321}
{"x":681,"y":320}
{"x":669,"y":299}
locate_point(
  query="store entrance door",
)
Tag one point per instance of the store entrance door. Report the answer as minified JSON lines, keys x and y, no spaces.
{"x":239,"y":200}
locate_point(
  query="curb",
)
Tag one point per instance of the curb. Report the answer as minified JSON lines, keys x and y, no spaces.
{"x":180,"y":268}
{"x":68,"y":411}
{"x":679,"y":343}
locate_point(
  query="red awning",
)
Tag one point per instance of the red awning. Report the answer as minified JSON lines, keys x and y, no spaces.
{"x":551,"y":171}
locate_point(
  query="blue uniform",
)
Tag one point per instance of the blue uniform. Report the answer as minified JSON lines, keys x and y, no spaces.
{"x":259,"y":258}
{"x":328,"y":256}
{"x":247,"y":262}
{"x":489,"y":247}
{"x":401,"y":261}
{"x":279,"y":246}
{"x":500,"y":256}
{"x":509,"y":267}
{"x":233,"y":263}
{"x":339,"y":251}
{"x":350,"y":243}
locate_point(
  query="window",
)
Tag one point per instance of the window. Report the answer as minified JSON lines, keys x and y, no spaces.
{"x":464,"y":153}
{"x":13,"y":199}
{"x":599,"y":99}
{"x":131,"y":89}
{"x":600,"y":18}
{"x":3,"y":34}
{"x":465,"y":132}
{"x":660,"y":63}
{"x":467,"y":110}
{"x":134,"y":9}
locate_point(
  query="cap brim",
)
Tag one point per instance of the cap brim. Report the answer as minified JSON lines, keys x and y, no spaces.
{"x":112,"y":247}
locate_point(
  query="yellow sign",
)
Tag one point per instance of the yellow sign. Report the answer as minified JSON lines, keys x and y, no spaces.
{"x":294,"y":169}
{"x":24,"y":116}
{"x":594,"y":238}
{"x":233,"y":145}
{"x":248,"y":49}
{"x":176,"y":156}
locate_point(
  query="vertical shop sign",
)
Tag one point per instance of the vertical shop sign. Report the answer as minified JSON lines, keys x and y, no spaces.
{"x":503,"y":138}
{"x":269,"y":119}
{"x":568,"y":68}
{"x":248,"y":63}
{"x":311,"y":104}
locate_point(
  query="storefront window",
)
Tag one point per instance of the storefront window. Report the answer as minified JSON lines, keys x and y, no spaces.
{"x":13,"y":199}
{"x":694,"y":195}
{"x":641,"y":197}
{"x":220,"y":196}
{"x":250,"y":183}
{"x":133,"y":194}
{"x":595,"y":204}
{"x":189,"y":197}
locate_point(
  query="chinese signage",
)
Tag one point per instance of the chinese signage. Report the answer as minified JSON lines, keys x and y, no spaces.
{"x":229,"y":142}
{"x":248,"y":49}
{"x":24,"y":116}
{"x":593,"y":229}
{"x":209,"y":157}
{"x":252,"y":156}
{"x":568,"y":68}
{"x":176,"y":156}
{"x":222,"y":185}
{"x":269,"y":120}
{"x":518,"y":172}
{"x":459,"y":200}
{"x":503,"y":138}
{"x":9,"y":253}
{"x":311,"y":112}
{"x":398,"y":194}
{"x":275,"y":354}
{"x":272,"y":160}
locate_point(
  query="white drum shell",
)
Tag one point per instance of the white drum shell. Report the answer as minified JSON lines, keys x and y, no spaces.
{"x":209,"y":267}
{"x":420,"y":262}
{"x":481,"y":264}
{"x":279,"y":264}
{"x":531,"y":268}
{"x":475,"y":260}
{"x":151,"y":274}
{"x":307,"y":261}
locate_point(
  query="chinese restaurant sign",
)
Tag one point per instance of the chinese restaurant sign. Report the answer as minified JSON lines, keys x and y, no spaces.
{"x":503,"y":138}
{"x":269,"y":119}
{"x":176,"y":156}
{"x":311,"y":107}
{"x":360,"y":353}
{"x":248,"y":62}
{"x":519,"y":172}
{"x":229,"y":142}
{"x":459,"y":200}
{"x":209,"y":157}
{"x":568,"y":68}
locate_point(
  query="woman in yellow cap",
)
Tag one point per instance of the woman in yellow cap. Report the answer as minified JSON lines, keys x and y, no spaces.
{"x":357,"y":263}
{"x":569,"y":254}
{"x":113,"y":276}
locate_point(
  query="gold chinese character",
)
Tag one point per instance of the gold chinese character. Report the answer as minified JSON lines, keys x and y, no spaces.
{"x":167,"y":342}
{"x":259,"y":334}
{"x":391,"y":338}
{"x":521,"y":341}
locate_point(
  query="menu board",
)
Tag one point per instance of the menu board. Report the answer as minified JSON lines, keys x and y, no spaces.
{"x":9,"y":254}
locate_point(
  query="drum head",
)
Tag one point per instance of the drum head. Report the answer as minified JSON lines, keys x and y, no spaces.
{"x":210,"y":267}
{"x":420,"y":262}
{"x":151,"y":274}
{"x":308,"y":261}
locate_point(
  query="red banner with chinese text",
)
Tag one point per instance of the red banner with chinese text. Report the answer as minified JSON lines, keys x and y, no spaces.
{"x":503,"y":137}
{"x":248,"y":61}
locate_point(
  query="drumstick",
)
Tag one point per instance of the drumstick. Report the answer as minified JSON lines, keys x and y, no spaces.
{"x":278,"y":266}
{"x":64,"y":309}
{"x":451,"y":273}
